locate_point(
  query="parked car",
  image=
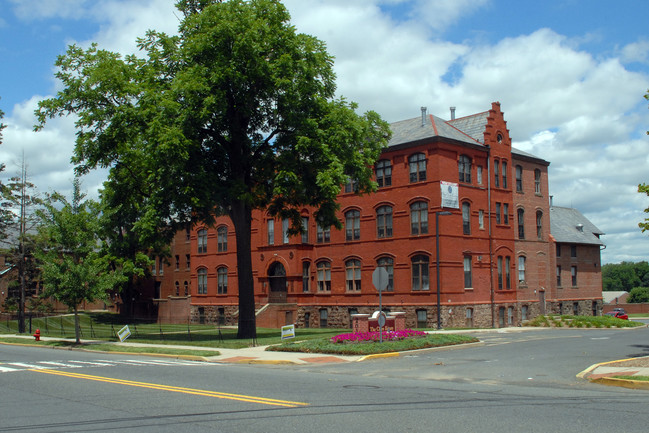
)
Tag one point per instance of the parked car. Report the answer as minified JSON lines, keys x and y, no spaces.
{"x":617,"y":313}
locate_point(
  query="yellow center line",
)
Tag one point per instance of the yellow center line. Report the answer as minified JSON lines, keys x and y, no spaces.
{"x":205,"y":393}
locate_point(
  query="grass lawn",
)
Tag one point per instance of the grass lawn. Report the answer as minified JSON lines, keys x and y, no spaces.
{"x":565,"y":321}
{"x":642,"y":378}
{"x":324,"y":345}
{"x":104,"y":326}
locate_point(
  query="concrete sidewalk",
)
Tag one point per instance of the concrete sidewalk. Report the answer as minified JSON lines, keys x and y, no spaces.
{"x":605,"y":373}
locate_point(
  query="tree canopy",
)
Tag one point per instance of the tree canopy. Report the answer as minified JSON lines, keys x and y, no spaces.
{"x":72,"y":269}
{"x":238,"y":112}
{"x":625,"y":276}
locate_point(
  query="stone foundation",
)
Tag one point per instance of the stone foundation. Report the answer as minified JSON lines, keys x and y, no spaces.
{"x":453,"y":316}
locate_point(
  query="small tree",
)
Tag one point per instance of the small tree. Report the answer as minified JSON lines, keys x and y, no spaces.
{"x":638,"y":295}
{"x":72,"y":269}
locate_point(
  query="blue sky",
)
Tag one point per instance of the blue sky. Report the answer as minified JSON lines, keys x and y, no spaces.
{"x":570,"y":76}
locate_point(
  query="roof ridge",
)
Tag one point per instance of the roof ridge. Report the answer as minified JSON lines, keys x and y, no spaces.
{"x":462,"y":132}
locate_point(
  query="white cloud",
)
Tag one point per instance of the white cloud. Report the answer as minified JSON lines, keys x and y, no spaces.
{"x":636,"y":52}
{"x":582,"y":112}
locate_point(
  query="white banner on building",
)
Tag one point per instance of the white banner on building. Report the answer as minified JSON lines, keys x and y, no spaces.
{"x":450,"y":195}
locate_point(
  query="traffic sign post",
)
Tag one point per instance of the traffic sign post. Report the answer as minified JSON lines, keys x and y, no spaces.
{"x":380,"y":279}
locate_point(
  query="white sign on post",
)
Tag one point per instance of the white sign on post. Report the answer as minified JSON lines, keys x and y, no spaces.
{"x":380,"y":279}
{"x":124,"y":333}
{"x":288,"y":331}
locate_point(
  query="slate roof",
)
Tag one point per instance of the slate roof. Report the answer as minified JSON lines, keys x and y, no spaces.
{"x":409,"y":130}
{"x":564,"y":226}
{"x":473,"y":125}
{"x":467,"y":129}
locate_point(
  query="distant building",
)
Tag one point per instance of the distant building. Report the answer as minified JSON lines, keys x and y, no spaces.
{"x":505,"y":255}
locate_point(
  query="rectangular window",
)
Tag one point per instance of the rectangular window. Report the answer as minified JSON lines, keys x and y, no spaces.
{"x":481,"y":219}
{"x":422,"y":319}
{"x":519,"y":178}
{"x":506,"y":213}
{"x":177,"y":262}
{"x":496,"y":174}
{"x":504,"y":167}
{"x":306,"y":270}
{"x":510,"y":316}
{"x":222,"y":239}
{"x":285,"y":230}
{"x":537,"y":181}
{"x":573,"y":273}
{"x":508,"y":279}
{"x":322,"y":234}
{"x":558,"y":276}
{"x":271,"y":232}
{"x":324,"y":276}
{"x":521,"y":269}
{"x":467,"y":273}
{"x":498,"y":213}
{"x":305,"y":230}
{"x":479,"y":174}
{"x":573,"y":251}
{"x":202,"y":241}
{"x":323,"y":318}
{"x":154,"y":262}
{"x":558,"y":250}
{"x":500,"y":273}
{"x":188,"y":261}
{"x":469,"y":318}
{"x":162,"y":266}
{"x":353,"y":225}
{"x":222,"y":281}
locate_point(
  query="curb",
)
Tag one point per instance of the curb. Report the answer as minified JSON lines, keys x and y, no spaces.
{"x":379,"y":355}
{"x":624,"y":383}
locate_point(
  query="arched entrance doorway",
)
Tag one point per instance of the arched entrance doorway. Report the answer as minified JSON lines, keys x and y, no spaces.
{"x":277,"y":283}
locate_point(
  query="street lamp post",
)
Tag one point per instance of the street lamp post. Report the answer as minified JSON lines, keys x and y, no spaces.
{"x":439,"y":307}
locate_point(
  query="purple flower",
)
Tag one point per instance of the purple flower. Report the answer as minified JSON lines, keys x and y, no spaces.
{"x":355,"y":337}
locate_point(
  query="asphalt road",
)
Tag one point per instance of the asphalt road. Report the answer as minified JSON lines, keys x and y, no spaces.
{"x":513,"y":382}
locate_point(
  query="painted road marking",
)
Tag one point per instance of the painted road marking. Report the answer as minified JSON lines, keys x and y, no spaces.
{"x":6,"y":367}
{"x":200,"y":392}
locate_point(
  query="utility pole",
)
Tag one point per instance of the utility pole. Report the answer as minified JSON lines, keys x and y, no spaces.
{"x":21,"y":267}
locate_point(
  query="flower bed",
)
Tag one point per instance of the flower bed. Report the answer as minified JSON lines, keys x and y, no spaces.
{"x":357,"y":337}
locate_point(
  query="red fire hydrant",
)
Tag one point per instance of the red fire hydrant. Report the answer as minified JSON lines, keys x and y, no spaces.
{"x":37,"y":335}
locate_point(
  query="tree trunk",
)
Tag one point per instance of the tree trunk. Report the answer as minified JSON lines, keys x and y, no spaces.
{"x":241,"y":215}
{"x":77,"y":330}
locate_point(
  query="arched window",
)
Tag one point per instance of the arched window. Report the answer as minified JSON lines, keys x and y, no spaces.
{"x":353,"y":275}
{"x":417,"y":164}
{"x":464,"y":166}
{"x":497,"y":173}
{"x":186,"y":287}
{"x":384,"y":222}
{"x":222,"y":278}
{"x":539,"y":224}
{"x":419,"y":218}
{"x":383,"y":173}
{"x":521,"y":269}
{"x":388,"y":264}
{"x":202,"y":241}
{"x":222,"y":239}
{"x":324,"y":276}
{"x":202,"y":281}
{"x":466,"y":218}
{"x":420,"y":272}
{"x":177,"y":284}
{"x":353,"y":225}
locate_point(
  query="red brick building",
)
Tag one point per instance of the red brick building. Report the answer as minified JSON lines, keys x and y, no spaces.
{"x":497,"y":258}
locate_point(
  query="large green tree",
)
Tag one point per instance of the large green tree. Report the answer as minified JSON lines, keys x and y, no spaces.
{"x":238,"y":112}
{"x":72,"y":268}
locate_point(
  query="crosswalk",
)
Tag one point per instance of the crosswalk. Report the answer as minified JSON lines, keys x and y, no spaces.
{"x":8,"y":367}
